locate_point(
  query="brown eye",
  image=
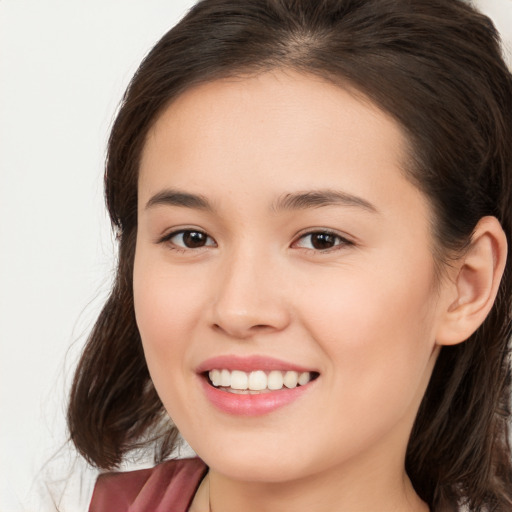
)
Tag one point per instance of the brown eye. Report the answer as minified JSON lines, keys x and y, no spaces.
{"x":321,"y":241}
{"x":190,"y":239}
{"x":194,"y":239}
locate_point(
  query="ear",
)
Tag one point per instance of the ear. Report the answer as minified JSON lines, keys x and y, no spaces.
{"x":477,"y":274}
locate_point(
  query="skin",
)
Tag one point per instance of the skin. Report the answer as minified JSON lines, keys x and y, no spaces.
{"x":365,"y":313}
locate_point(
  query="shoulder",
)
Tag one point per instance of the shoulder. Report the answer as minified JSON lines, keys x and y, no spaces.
{"x":168,"y":486}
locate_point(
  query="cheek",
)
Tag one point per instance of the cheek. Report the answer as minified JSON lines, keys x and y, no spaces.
{"x":167,"y":310}
{"x":376,"y":327}
{"x":167,"y":307}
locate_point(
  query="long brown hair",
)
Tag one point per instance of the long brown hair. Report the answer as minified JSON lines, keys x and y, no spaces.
{"x":436,"y":67}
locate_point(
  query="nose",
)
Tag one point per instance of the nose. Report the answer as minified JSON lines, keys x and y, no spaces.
{"x":249,"y":296}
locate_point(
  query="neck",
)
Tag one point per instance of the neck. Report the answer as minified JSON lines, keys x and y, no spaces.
{"x":330,"y":491}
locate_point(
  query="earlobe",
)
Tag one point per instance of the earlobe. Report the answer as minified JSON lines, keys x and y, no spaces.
{"x":475,"y":286}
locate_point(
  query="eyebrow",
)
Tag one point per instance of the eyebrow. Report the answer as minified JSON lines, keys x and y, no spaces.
{"x":320,"y":198}
{"x":292,"y":201}
{"x":171,"y":197}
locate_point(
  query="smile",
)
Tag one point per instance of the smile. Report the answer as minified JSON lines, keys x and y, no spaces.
{"x":255,"y":385}
{"x":258,"y":381}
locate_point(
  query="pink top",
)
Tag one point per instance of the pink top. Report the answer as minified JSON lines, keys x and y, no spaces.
{"x":168,"y":487}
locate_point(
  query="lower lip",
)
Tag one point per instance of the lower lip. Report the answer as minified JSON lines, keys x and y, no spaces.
{"x":252,"y":405}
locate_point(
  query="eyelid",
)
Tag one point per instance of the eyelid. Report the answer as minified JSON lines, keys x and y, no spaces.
{"x":343,"y":239}
{"x":166,"y":239}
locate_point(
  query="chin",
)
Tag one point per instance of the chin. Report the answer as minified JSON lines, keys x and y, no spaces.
{"x":258,"y":465}
{"x":257,"y":470}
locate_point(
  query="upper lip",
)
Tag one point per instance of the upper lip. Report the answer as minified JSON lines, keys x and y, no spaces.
{"x":248,"y":364}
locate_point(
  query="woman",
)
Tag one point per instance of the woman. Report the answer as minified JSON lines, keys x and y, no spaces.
{"x":313,"y":202}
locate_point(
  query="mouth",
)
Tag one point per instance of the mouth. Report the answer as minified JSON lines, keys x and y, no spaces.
{"x":257,"y":381}
{"x":254,"y":386}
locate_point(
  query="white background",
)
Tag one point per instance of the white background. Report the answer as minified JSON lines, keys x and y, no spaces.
{"x":63,"y":68}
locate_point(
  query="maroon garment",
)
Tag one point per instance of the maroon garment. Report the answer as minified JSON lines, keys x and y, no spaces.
{"x":168,"y":487}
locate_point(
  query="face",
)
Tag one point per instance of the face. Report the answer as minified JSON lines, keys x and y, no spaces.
{"x":278,"y":240}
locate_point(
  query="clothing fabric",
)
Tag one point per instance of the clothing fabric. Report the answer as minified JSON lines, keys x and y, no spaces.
{"x":168,"y":487}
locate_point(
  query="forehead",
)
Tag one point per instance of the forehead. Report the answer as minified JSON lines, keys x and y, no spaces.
{"x":281,"y":130}
{"x":283,"y":101}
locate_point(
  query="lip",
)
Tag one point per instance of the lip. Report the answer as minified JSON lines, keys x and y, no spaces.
{"x":246,"y":405}
{"x":252,"y":405}
{"x":249,"y":364}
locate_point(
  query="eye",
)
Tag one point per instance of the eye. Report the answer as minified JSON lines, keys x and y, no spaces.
{"x":189,"y":239}
{"x":321,"y":241}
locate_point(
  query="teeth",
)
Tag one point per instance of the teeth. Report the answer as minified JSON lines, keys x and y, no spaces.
{"x":304,"y":378}
{"x":290,"y":379}
{"x":215,"y":377}
{"x":275,"y":380}
{"x":225,"y":378}
{"x":238,"y":381}
{"x":257,"y":381}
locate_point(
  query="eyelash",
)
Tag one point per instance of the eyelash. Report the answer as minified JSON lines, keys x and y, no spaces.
{"x":167,"y":239}
{"x":340,"y":241}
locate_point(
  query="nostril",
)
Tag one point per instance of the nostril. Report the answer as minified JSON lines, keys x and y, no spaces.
{"x":240,"y":330}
